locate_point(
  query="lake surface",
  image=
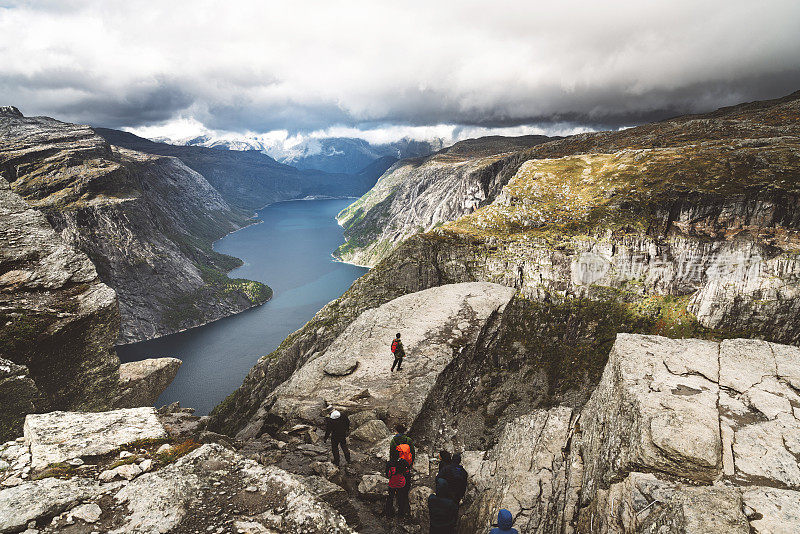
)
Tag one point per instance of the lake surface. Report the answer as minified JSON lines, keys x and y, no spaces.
{"x":290,"y":251}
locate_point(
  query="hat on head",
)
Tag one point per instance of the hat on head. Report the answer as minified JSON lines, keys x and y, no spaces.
{"x":335,"y":414}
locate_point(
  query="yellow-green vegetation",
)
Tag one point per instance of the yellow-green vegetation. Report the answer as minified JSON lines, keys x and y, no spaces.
{"x":57,"y":470}
{"x":124,"y":461}
{"x":178,"y":450}
{"x":623,"y":191}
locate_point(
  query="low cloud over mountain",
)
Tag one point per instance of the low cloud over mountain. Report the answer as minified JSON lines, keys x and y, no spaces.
{"x":248,"y":66}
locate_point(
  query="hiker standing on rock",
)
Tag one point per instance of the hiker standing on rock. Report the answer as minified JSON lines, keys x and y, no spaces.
{"x":399,"y":472}
{"x":402,"y":448}
{"x":450,"y":471}
{"x":458,"y":486}
{"x":399,"y":352}
{"x":337,"y":426}
{"x":442,"y":511}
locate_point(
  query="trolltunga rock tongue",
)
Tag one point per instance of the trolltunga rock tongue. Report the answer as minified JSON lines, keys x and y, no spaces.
{"x":58,"y":436}
{"x":436,"y":325}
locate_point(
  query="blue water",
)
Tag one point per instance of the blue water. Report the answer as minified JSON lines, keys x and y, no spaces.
{"x":290,"y":251}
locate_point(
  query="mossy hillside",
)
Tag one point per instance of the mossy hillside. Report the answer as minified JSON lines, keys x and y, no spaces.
{"x":631,"y":191}
{"x":183,"y":311}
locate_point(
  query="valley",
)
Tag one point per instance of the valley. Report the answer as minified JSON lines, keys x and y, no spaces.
{"x":603,"y":325}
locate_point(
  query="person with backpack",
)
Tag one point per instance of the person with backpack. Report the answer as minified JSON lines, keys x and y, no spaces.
{"x":399,"y":353}
{"x":402,"y":445}
{"x":504,"y":522}
{"x":337,"y":426}
{"x":399,"y":473}
{"x":442,"y":511}
{"x":458,"y":486}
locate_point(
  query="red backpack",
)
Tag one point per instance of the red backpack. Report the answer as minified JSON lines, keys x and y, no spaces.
{"x":394,"y":345}
{"x":397,"y":479}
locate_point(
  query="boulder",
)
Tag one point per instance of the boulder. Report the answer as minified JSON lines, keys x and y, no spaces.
{"x":373,"y":486}
{"x":434,"y":323}
{"x":88,"y":513}
{"x":359,"y":418}
{"x":371,"y":431}
{"x":34,"y":500}
{"x":696,"y":411}
{"x":341,"y":367}
{"x":141,"y":382}
{"x":655,"y":406}
{"x":59,"y":436}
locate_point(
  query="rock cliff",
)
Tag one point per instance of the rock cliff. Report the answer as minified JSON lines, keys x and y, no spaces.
{"x":416,"y":195}
{"x":146,"y":222}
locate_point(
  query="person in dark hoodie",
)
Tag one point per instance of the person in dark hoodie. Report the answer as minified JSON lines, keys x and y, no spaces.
{"x":337,"y":426}
{"x":504,"y":522}
{"x":442,"y":510}
{"x":458,"y":485}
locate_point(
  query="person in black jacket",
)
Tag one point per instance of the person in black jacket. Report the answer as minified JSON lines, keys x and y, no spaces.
{"x":337,"y":427}
{"x":458,"y":485}
{"x":442,"y":510}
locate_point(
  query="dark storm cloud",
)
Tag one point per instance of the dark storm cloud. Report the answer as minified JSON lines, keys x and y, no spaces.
{"x":302,"y":66}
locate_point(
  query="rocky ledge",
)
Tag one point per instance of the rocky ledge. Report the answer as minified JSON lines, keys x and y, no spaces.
{"x":122,"y":471}
{"x":679,"y":436}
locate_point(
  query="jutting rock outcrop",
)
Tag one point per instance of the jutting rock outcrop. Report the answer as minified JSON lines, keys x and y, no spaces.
{"x":143,"y":381}
{"x":146,"y":222}
{"x":437,"y":325}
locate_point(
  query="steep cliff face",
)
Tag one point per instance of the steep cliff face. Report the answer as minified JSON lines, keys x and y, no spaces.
{"x":58,"y":322}
{"x":415,"y":195}
{"x":695,"y":238}
{"x":376,"y":223}
{"x":146,"y":222}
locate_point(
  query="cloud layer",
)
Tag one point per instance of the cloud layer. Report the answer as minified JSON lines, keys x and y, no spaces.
{"x":305,"y":66}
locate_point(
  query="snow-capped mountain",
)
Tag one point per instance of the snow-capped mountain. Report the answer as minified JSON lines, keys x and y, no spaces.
{"x":332,"y":154}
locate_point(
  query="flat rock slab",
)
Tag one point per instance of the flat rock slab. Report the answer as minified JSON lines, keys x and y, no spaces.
{"x":58,"y":436}
{"x":41,"y":498}
{"x":436,"y":324}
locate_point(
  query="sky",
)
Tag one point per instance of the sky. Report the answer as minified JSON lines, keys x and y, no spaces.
{"x":385,"y":70}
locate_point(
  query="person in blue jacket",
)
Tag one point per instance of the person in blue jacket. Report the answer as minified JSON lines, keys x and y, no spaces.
{"x":504,"y":522}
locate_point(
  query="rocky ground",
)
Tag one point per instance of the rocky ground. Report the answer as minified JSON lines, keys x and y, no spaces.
{"x":679,"y":436}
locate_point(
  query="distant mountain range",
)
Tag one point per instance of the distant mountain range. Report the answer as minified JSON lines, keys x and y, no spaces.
{"x":333,"y":154}
{"x":250,"y":179}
